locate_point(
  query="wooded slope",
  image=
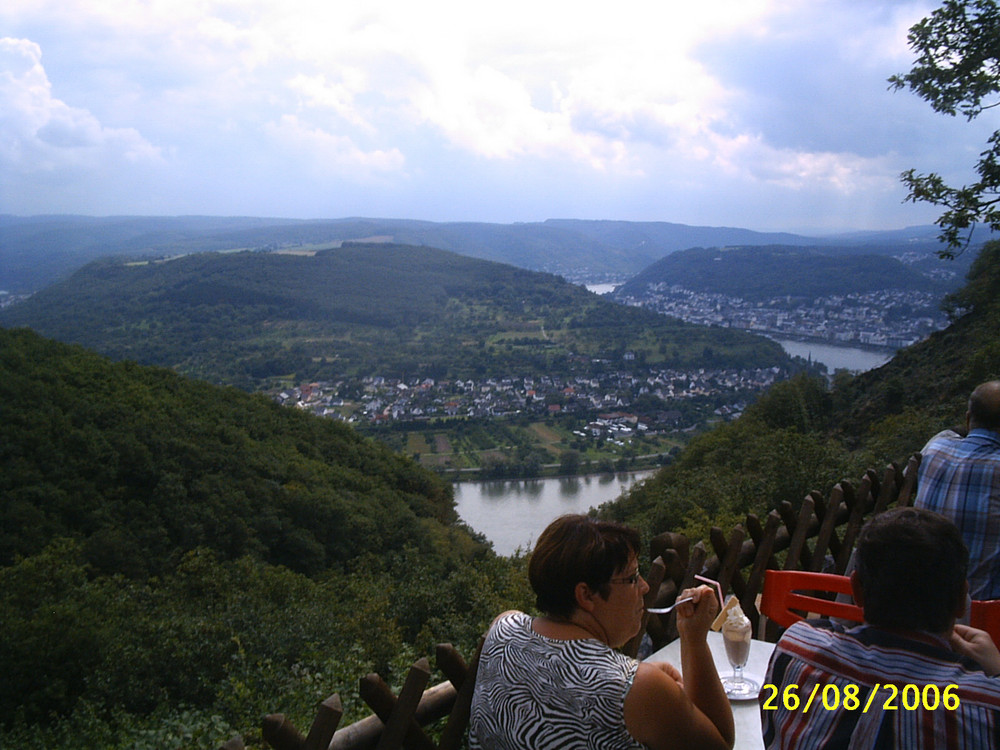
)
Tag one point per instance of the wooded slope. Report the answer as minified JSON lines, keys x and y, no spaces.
{"x":394,"y":311}
{"x":142,"y":465}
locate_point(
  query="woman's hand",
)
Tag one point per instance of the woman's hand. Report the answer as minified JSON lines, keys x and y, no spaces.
{"x":695,"y":617}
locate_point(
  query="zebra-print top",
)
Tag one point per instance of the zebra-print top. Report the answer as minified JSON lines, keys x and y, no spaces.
{"x":536,"y":693}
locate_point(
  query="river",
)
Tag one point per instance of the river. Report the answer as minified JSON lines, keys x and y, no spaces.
{"x":513,"y":513}
{"x":836,"y":357}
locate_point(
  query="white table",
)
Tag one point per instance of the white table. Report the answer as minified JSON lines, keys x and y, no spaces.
{"x":746,"y":713}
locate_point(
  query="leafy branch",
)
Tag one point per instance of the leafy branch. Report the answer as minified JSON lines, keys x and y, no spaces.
{"x":957,"y":70}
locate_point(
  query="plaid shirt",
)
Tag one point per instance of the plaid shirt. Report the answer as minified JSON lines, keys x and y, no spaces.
{"x":824,"y":660}
{"x":960,"y":479}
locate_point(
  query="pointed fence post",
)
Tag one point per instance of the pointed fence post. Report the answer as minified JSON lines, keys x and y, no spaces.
{"x":398,"y":715}
{"x":281,"y":734}
{"x":458,"y":719}
{"x":325,"y":724}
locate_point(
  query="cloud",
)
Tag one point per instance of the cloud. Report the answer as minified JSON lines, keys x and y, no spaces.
{"x":492,"y":112}
{"x":339,"y":95}
{"x":329,"y":151}
{"x":41,"y":133}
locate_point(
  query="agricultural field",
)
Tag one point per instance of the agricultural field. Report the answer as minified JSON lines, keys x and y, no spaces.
{"x":494,"y":449}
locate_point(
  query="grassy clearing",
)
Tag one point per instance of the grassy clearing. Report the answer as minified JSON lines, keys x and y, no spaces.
{"x":416,"y":443}
{"x":545,"y":433}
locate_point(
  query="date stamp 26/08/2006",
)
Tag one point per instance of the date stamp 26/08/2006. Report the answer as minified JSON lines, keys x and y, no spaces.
{"x":852,"y":697}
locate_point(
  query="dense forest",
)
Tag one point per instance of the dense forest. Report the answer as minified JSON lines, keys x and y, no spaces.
{"x":761,"y":273}
{"x":248,"y":318}
{"x":177,"y":558}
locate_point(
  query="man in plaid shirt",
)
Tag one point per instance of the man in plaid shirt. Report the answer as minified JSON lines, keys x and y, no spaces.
{"x":959,"y":478}
{"x":910,"y":677}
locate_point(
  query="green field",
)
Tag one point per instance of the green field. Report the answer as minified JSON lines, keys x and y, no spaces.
{"x":521,"y":449}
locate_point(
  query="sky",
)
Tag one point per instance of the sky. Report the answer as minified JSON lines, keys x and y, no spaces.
{"x":773,"y":115}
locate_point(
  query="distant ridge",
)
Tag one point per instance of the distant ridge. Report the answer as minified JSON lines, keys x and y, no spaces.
{"x":760,"y":273}
{"x":38,"y":250}
{"x":667,"y":237}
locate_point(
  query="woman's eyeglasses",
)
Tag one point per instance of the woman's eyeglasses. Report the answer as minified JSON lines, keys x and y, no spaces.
{"x":632,"y":579}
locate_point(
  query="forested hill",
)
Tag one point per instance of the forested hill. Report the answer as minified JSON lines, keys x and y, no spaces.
{"x":359,"y":310}
{"x":761,"y":273}
{"x":142,"y":465}
{"x":179,"y":559}
{"x":804,"y":435}
{"x":926,"y":386}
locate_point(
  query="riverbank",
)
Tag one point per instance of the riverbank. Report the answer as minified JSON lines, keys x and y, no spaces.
{"x":650,"y":462}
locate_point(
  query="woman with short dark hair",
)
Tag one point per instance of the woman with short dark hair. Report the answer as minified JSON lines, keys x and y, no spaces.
{"x":558,"y":681}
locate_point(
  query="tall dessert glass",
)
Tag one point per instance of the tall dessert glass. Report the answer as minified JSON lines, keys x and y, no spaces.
{"x":736,"y":632}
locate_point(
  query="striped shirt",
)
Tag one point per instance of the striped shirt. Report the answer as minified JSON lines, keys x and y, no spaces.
{"x":853,"y":692}
{"x":538,"y":693}
{"x":960,"y":479}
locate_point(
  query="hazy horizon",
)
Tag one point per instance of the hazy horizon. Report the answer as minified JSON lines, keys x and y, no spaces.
{"x":812,"y":233}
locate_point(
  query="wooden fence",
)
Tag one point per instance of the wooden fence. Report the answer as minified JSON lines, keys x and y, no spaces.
{"x":739,"y":560}
{"x":819,"y":537}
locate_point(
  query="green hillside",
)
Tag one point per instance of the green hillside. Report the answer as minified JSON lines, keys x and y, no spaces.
{"x":932,"y":380}
{"x":803,"y":435}
{"x":396,"y":311}
{"x":175,"y":557}
{"x":87,"y":441}
{"x":153,"y":528}
{"x":762,"y":273}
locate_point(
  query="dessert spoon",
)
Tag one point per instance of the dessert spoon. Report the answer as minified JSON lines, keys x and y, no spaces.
{"x":664,"y":610}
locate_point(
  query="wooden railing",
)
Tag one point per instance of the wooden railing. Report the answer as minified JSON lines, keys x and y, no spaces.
{"x":739,"y":560}
{"x":819,"y":537}
{"x":397,"y":721}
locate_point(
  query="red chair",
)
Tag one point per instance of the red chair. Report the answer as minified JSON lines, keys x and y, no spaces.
{"x":779,"y":599}
{"x":985,"y":615}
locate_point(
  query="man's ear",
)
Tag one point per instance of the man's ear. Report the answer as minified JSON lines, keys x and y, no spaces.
{"x":584,"y":596}
{"x":856,"y":591}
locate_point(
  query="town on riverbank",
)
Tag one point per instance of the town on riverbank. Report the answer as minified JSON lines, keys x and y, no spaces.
{"x":626,"y":418}
{"x":542,"y":425}
{"x":888,"y":319}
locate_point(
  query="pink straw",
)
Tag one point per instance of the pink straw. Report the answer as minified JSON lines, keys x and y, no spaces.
{"x":715,"y":585}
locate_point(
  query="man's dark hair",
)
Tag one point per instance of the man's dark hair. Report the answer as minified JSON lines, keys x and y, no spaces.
{"x":574,"y":549}
{"x":984,"y":406}
{"x":912,"y":565}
